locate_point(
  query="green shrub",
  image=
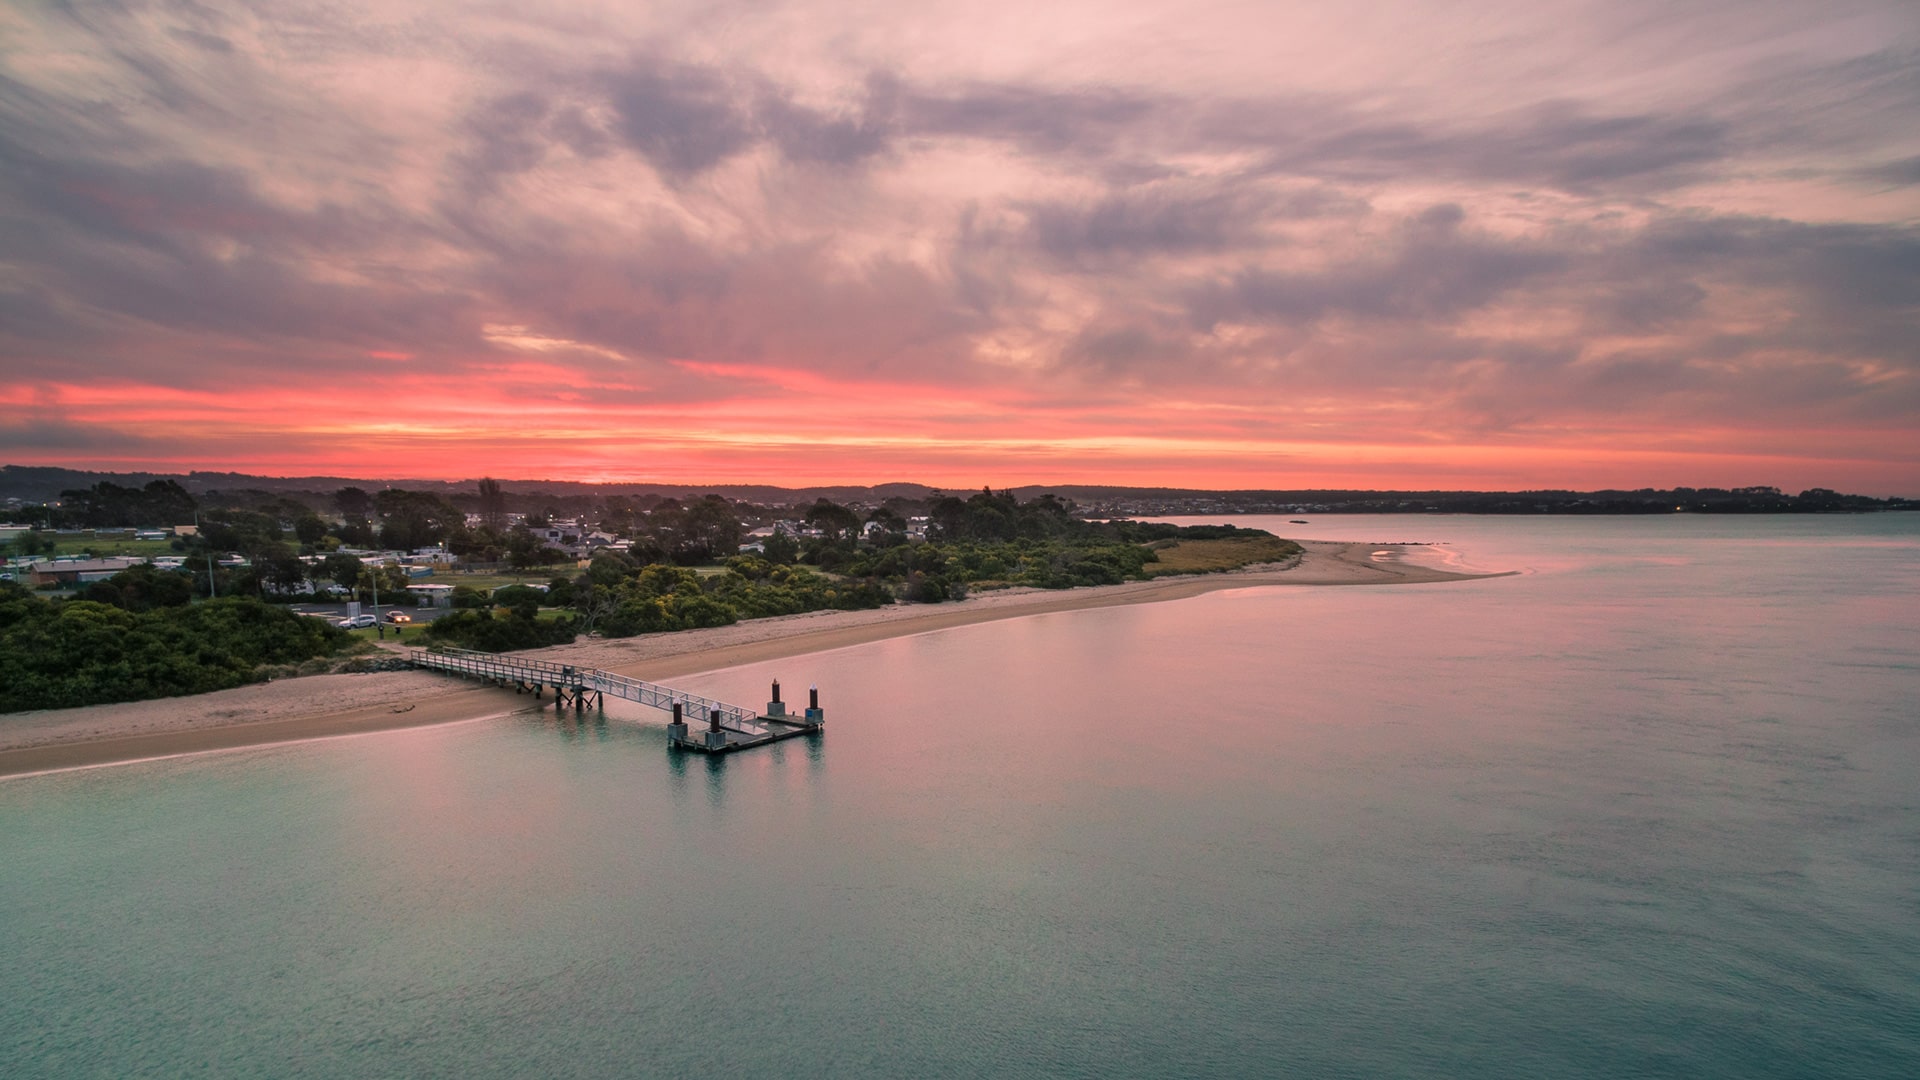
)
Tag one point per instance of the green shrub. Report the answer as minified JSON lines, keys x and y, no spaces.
{"x":84,"y":652}
{"x":503,"y":631}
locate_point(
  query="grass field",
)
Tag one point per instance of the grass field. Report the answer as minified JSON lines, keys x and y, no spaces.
{"x":146,"y":549}
{"x":491,"y":580}
{"x":1214,"y":556}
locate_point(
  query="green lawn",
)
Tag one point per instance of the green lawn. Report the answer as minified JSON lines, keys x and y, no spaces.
{"x":147,"y":549}
{"x":495,"y":581}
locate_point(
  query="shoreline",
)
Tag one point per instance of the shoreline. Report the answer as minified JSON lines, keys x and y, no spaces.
{"x":322,"y":706}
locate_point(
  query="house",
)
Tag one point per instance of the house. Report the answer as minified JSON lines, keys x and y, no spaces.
{"x":432,"y":596}
{"x":78,"y":571}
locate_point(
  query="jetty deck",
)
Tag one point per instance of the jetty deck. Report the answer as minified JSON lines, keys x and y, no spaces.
{"x":699,"y":724}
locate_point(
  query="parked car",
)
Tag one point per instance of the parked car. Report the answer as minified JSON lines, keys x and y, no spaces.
{"x":355,"y":622}
{"x":398,"y":617}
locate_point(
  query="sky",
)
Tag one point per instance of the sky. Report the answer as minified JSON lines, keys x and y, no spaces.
{"x":1426,"y":245}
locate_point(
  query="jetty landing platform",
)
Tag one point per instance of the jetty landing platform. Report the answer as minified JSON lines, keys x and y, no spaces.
{"x":699,"y":724}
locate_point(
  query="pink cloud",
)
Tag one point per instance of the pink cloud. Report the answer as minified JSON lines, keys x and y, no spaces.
{"x":1582,"y":245}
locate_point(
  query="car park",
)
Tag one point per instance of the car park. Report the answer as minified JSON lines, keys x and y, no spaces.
{"x":355,"y":622}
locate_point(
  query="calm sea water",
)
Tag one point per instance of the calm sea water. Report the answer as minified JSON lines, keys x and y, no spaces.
{"x":1651,"y":808}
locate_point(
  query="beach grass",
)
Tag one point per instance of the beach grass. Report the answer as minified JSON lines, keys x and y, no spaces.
{"x":1218,"y":556}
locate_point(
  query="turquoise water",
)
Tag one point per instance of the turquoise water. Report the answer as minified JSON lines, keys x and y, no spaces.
{"x":1651,"y":808}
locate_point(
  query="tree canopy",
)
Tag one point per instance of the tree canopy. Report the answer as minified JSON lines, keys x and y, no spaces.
{"x":86,"y":652}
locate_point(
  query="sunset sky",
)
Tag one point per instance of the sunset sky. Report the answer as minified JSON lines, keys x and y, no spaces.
{"x":1406,"y":244}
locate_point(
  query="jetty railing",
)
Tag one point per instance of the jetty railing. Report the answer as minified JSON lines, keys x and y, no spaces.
{"x":525,"y":671}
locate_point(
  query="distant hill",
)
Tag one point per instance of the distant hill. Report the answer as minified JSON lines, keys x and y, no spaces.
{"x":36,"y":484}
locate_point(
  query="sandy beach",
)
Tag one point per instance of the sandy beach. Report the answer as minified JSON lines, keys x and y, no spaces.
{"x":327,"y":705}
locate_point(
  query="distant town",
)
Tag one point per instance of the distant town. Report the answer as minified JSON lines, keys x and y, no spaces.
{"x":117,"y":592}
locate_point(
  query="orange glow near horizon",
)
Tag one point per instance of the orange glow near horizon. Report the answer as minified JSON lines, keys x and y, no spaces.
{"x":821,"y":432}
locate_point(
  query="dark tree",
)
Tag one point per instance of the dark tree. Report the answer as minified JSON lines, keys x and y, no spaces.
{"x":283,"y":570}
{"x":353,"y":502}
{"x":781,"y":548}
{"x":356,"y":532}
{"x":342,"y":570}
{"x":34,"y":542}
{"x":835,"y":521}
{"x":143,"y":588}
{"x":887,"y":527}
{"x":244,"y":531}
{"x":161,"y":502}
{"x":526,"y":551}
{"x":310,"y":529}
{"x":493,"y":505}
{"x":710,"y":530}
{"x":414,"y":519}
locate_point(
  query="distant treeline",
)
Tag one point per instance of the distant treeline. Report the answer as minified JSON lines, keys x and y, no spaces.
{"x":1753,"y":500}
{"x":46,"y":484}
{"x":37,"y":484}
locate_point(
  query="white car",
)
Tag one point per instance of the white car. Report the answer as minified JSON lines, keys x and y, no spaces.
{"x":355,"y":622}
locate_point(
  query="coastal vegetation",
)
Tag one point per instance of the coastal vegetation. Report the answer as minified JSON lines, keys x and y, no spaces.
{"x":1218,"y":554}
{"x":140,"y":638}
{"x":504,"y":629}
{"x":617,"y":598}
{"x":654,"y":566}
{"x":849,"y":560}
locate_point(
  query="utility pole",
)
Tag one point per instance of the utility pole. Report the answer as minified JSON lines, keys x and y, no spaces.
{"x":213,"y":587}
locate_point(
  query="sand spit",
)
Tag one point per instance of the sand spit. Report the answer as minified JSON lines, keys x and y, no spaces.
{"x":325,"y":705}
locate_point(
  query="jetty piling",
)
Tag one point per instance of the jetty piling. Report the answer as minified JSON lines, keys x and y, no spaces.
{"x":677,"y":731}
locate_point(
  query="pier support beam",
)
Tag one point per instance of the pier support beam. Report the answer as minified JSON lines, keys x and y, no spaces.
{"x":815,"y":715}
{"x":716,"y":738}
{"x":578,"y":696}
{"x":776,"y":709}
{"x":677,"y":731}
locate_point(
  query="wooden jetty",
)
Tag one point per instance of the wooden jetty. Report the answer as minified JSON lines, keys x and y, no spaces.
{"x":717,"y":727}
